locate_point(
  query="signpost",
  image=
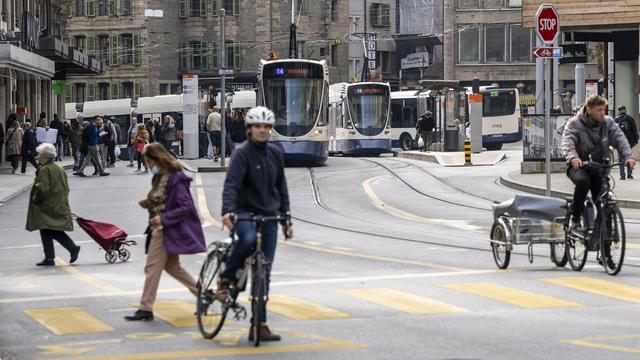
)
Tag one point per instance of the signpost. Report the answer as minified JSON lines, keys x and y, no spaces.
{"x":547,"y":28}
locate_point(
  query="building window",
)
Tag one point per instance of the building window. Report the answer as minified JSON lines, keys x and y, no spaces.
{"x":196,"y":55}
{"x":127,"y":90}
{"x":176,"y":89}
{"x":102,"y":48}
{"x":469,"y":44}
{"x":127,"y":49}
{"x":80,"y":9}
{"x":494,"y":44}
{"x":80,"y":43}
{"x":194,"y":9}
{"x":79,"y":92}
{"x":334,"y":55}
{"x":103,"y":91}
{"x":304,"y":7}
{"x":487,"y":4}
{"x":520,"y":44}
{"x":334,"y":10}
{"x":493,"y":4}
{"x":164,"y":89}
{"x":301,"y":49}
{"x":103,"y":8}
{"x":126,"y":8}
{"x":380,"y":15}
{"x":468,"y":4}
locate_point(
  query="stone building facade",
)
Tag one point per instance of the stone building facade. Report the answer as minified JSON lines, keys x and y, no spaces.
{"x":146,"y":55}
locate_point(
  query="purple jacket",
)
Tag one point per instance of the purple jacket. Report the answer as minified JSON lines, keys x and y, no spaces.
{"x":181,"y":225}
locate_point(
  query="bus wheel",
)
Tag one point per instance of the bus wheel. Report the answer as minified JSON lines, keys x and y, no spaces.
{"x":406,"y":142}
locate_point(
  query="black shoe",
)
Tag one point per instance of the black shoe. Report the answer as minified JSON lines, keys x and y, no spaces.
{"x":140,"y":315}
{"x":74,"y":255}
{"x":46,"y":262}
{"x":95,"y":173}
{"x":623,"y":178}
{"x":630,"y":177}
{"x":104,"y":174}
{"x":79,"y":174}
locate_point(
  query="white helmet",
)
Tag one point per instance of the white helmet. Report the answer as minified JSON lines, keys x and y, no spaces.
{"x":260,"y":115}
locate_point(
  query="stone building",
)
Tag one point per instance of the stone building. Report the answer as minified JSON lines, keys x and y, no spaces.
{"x":147,"y":55}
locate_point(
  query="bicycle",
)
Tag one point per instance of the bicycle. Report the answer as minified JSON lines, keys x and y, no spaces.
{"x":601,"y":227}
{"x":211,"y":311}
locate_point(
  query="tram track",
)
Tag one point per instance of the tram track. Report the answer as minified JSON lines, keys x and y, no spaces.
{"x":320,"y":203}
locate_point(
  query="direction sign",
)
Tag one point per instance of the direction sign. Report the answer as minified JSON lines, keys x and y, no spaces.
{"x":547,"y":52}
{"x":547,"y":23}
{"x":225,"y":71}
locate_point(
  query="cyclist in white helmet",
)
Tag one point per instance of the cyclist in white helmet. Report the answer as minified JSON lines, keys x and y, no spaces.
{"x":255,"y":185}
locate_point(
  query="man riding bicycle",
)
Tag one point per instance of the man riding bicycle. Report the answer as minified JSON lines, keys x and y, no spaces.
{"x":587,"y":137}
{"x":255,"y":185}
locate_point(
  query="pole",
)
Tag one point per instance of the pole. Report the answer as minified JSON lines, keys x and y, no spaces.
{"x":547,"y":124}
{"x":223,"y":66}
{"x":539,"y":81}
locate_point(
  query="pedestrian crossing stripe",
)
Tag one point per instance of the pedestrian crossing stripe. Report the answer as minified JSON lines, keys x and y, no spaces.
{"x":299,"y":309}
{"x":599,"y":287}
{"x":178,"y":313}
{"x":68,"y":321}
{"x":402,"y":301}
{"x":521,"y":298}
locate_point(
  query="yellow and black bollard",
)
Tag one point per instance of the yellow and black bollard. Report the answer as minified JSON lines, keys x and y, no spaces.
{"x":467,"y":152}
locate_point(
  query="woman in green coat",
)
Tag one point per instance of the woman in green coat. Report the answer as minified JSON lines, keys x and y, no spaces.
{"x":49,"y":209}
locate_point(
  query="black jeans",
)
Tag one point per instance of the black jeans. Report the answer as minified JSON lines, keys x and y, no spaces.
{"x":48,"y":236}
{"x":584,"y":180}
{"x":111,"y":153}
{"x":28,"y":158}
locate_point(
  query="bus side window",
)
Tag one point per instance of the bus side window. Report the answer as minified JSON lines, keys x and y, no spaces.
{"x":410,"y":111}
{"x":396,"y":114}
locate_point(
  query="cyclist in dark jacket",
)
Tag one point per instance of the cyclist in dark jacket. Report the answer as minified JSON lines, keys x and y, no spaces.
{"x":255,"y":185}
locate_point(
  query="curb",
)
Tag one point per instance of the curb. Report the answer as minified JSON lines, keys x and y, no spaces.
{"x":627,"y":204}
{"x":209,"y":169}
{"x":433,"y":158}
{"x":26,"y":187}
{"x":186,"y":166}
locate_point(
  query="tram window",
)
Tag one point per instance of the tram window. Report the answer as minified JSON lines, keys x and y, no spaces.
{"x":396,"y":113}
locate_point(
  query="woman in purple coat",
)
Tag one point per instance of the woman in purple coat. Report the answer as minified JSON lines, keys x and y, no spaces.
{"x":174,"y":227}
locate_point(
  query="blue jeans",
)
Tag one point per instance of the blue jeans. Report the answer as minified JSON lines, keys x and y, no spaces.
{"x":93,"y":161}
{"x":130,"y":151}
{"x":622,"y":163}
{"x":245,"y":246}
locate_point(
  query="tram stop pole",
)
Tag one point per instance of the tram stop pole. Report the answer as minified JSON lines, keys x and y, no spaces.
{"x":223,"y":65}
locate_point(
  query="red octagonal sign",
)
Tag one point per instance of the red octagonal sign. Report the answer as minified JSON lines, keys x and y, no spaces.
{"x":547,"y":23}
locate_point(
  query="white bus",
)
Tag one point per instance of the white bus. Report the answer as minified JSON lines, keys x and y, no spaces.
{"x":120,"y":109}
{"x":501,"y":118}
{"x":403,"y":119}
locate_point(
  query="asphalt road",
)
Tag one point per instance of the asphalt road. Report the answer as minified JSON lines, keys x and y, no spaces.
{"x":390,"y":261}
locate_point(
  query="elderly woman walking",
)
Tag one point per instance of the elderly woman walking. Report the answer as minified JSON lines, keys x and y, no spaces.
{"x":49,"y":209}
{"x":14,"y":145}
{"x":174,"y":227}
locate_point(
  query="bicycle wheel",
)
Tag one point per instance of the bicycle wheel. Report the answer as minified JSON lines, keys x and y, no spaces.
{"x":576,"y":250}
{"x":210,"y":312}
{"x":558,"y":254}
{"x":613,"y":240}
{"x":500,"y":253}
{"x":257,"y":296}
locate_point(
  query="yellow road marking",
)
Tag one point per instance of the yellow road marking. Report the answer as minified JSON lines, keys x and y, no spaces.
{"x":323,"y":344}
{"x":374,"y":257}
{"x":71,"y":349}
{"x":91,"y":280}
{"x":299,"y":309}
{"x":202,"y":203}
{"x":521,"y":298}
{"x":68,"y":321}
{"x":593,"y":343}
{"x":632,"y":246}
{"x":600,"y":287}
{"x":405,"y":302}
{"x":458,"y":224}
{"x":178,"y":313}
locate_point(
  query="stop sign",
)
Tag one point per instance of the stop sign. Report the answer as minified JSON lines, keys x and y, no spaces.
{"x":547,"y":23}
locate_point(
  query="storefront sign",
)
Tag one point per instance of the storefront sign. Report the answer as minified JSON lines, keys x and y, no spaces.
{"x":415,"y":60}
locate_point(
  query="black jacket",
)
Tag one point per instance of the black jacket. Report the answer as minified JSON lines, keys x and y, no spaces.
{"x":256,"y":181}
{"x":629,"y":128}
{"x":29,"y":142}
{"x":56,"y":124}
{"x":238,"y":131}
{"x":425,"y":124}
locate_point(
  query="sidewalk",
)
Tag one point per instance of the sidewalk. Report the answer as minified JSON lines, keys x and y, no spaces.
{"x":204,"y":165}
{"x":627,"y":192}
{"x":453,"y":159}
{"x":12,"y":185}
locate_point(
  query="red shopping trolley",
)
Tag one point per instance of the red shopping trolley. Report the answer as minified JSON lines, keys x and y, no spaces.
{"x":110,"y":237}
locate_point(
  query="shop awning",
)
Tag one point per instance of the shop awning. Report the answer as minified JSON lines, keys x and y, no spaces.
{"x":25,"y":61}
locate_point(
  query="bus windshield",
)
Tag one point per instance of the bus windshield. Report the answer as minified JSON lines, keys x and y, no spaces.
{"x":295,"y":102}
{"x":369,"y":108}
{"x":498,"y":103}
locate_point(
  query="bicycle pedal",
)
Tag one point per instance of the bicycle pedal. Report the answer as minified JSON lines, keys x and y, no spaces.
{"x":239,"y":312}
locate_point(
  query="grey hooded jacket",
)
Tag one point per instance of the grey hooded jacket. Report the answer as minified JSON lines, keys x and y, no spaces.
{"x":581,"y":135}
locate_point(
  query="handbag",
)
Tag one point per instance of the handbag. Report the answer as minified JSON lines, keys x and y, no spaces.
{"x":140,"y":146}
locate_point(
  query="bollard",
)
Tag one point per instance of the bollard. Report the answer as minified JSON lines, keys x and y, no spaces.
{"x":467,"y":152}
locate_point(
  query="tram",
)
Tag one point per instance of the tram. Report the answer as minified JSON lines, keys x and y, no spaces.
{"x":359,"y":119}
{"x":297,"y":91}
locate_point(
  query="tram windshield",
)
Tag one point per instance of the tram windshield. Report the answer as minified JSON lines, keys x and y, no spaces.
{"x":369,"y":108}
{"x":293,"y":91}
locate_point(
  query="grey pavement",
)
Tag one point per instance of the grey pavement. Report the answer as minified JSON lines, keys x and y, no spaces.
{"x":14,"y":184}
{"x":455,"y":158}
{"x":390,"y":260}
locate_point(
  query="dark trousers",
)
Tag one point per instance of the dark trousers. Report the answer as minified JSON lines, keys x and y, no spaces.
{"x":111,"y":153}
{"x":28,"y":158}
{"x":584,"y":180}
{"x":245,"y":246}
{"x":15,"y":160}
{"x":168,"y":145}
{"x":622,"y":162}
{"x":48,"y":236}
